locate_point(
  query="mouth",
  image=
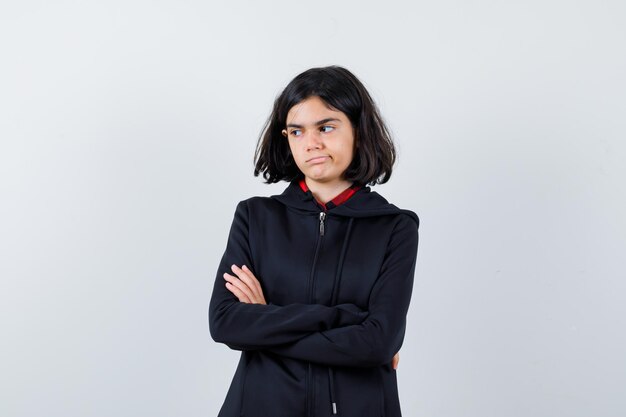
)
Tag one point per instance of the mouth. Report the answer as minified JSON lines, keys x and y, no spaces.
{"x":317,"y":159}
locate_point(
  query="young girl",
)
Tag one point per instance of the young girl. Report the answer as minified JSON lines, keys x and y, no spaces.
{"x":315,"y":283}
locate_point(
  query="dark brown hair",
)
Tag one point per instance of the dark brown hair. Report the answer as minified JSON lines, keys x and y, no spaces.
{"x":375,"y":152}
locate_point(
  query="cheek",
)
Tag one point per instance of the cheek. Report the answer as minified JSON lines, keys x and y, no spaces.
{"x":295,"y":153}
{"x":292,"y":148}
{"x":349,"y":158}
{"x":348,"y":147}
{"x":347,"y":153}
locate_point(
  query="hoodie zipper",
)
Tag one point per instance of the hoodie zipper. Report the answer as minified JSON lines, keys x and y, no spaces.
{"x":322,"y":217}
{"x":309,"y":394}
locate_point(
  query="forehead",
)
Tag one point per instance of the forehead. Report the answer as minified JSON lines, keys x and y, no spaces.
{"x":311,"y":110}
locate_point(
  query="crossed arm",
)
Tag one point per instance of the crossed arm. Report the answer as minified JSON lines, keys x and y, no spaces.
{"x":252,"y":326}
{"x":247,"y":288}
{"x":342,"y":335}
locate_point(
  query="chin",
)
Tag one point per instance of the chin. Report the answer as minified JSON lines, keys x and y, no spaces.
{"x":315,"y":175}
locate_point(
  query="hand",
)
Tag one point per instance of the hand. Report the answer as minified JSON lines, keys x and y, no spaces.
{"x":395,"y":360}
{"x":244,"y":286}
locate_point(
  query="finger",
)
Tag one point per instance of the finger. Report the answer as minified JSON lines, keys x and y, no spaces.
{"x":240,"y":295}
{"x":246,"y":279}
{"x":257,"y":283}
{"x":240,"y":285}
{"x":245,"y":284}
{"x":250,"y":280}
{"x":395,"y":361}
{"x":256,"y":293}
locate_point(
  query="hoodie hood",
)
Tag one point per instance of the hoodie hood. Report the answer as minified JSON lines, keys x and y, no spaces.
{"x":363,"y":203}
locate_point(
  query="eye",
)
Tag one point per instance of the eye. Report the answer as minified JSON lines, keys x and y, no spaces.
{"x":295,"y":132}
{"x":327,"y":127}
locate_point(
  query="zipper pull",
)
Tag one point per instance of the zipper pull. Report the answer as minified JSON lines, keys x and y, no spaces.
{"x":322,"y":217}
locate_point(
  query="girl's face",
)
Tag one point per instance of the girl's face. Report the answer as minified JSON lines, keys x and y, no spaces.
{"x":321,"y":140}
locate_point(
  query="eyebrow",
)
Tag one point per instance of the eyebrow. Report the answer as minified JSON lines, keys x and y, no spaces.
{"x":318,"y":123}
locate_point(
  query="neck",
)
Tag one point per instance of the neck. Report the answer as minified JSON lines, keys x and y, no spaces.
{"x":326,"y":191}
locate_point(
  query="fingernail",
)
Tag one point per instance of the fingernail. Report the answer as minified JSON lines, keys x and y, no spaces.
{"x":245,"y":267}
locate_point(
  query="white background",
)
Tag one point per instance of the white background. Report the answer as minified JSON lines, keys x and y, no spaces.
{"x":127,"y":135}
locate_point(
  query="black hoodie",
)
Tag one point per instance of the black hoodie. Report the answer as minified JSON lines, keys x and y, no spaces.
{"x":338,"y":285}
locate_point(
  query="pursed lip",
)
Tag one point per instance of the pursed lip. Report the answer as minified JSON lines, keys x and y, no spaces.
{"x":318,"y":158}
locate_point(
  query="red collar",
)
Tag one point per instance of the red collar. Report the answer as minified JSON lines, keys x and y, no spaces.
{"x":339,"y":199}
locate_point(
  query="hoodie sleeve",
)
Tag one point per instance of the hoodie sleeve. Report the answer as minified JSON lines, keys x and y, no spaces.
{"x":374,"y":341}
{"x":244,"y":326}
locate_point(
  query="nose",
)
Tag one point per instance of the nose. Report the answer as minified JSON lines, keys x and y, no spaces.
{"x":313,"y":140}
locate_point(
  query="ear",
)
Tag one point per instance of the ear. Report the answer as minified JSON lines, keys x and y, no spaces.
{"x":284,"y":132}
